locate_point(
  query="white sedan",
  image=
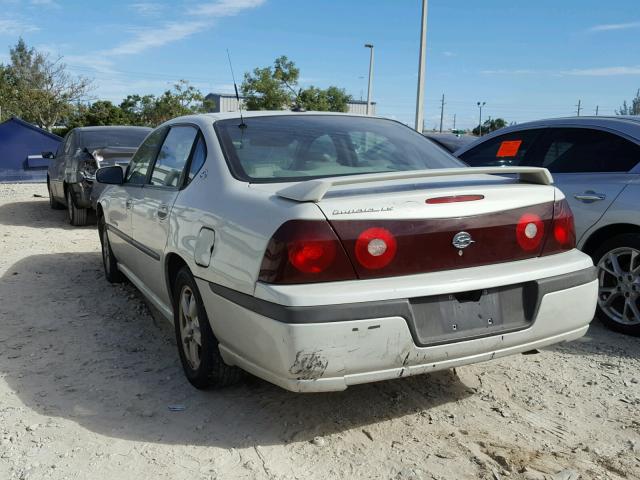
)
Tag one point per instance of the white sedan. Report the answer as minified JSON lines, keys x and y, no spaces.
{"x":318,"y":251}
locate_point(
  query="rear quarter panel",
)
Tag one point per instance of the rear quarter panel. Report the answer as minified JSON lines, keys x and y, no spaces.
{"x":242,"y":218}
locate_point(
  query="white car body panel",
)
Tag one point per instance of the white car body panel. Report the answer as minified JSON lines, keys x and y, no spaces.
{"x":243,"y":217}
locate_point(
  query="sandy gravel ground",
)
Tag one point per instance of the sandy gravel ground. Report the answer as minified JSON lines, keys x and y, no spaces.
{"x":89,"y":381}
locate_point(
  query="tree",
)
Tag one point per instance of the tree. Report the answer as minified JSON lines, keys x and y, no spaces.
{"x":38,"y":89}
{"x":333,"y":99}
{"x":276,"y":88}
{"x":633,"y":109}
{"x":102,"y":112}
{"x":271,"y":88}
{"x":490,"y":125}
{"x":149,"y":110}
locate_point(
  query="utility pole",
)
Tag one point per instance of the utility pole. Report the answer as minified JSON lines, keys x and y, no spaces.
{"x":370,"y":47}
{"x":441,"y":112}
{"x":480,"y":105}
{"x":454,"y":121}
{"x":421,"y":68}
{"x":579,"y":106}
{"x":597,"y":108}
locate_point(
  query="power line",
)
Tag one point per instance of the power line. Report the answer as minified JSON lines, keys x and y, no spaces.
{"x":441,"y":112}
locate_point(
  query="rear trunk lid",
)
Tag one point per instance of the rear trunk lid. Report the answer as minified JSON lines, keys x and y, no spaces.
{"x":110,"y":156}
{"x":435,"y":221}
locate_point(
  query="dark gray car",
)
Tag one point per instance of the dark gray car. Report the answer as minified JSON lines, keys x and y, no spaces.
{"x":450,"y":141}
{"x":71,"y":175}
{"x":595,"y":161}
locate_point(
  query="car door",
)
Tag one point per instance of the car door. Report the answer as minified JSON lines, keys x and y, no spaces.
{"x":122,"y":198}
{"x":590,"y":167}
{"x":56,"y":178}
{"x":152,"y":208}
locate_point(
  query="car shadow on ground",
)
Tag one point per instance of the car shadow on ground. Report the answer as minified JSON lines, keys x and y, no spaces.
{"x":601,"y":340}
{"x":74,"y":347}
{"x":37,"y":214}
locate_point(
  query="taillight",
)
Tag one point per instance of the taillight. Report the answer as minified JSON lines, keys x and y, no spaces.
{"x":305,"y":251}
{"x":529,"y":231}
{"x":563,"y":233}
{"x":375,"y":248}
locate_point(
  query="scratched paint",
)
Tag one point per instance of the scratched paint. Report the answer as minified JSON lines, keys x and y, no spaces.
{"x":309,"y":366}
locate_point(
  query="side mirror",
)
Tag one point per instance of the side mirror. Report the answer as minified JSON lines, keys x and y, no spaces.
{"x":110,"y":175}
{"x":49,"y":155}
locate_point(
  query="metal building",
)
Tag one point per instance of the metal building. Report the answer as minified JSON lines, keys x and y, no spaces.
{"x":226,"y":102}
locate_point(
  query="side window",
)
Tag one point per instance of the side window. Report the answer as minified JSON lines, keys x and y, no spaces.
{"x":575,"y":150}
{"x":173,"y":156}
{"x":144,"y":156}
{"x":505,"y":150}
{"x":68,"y":144}
{"x":198,"y":158}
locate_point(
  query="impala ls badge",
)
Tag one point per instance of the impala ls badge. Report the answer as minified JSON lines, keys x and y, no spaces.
{"x":462,"y":240}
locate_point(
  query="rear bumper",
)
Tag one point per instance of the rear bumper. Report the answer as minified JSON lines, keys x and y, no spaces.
{"x":329,"y":347}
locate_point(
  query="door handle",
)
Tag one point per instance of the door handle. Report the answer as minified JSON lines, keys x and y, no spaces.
{"x":589,"y":196}
{"x":162,"y":212}
{"x":128,"y":203}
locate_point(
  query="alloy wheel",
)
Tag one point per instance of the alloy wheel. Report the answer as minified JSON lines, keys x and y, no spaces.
{"x":190,"y":327}
{"x":619,"y":285}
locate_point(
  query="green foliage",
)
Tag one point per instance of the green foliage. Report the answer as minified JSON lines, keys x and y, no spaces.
{"x":38,"y":89}
{"x":633,"y":109}
{"x":333,"y":99}
{"x":490,"y":126}
{"x":276,"y":88}
{"x":149,"y":110}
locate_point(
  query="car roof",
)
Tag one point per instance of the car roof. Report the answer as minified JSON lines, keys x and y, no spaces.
{"x":626,"y":125}
{"x":110,"y":127}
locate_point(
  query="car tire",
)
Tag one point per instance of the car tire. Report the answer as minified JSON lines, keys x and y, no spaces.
{"x":109,"y":261}
{"x":53,"y":203}
{"x":202,"y":363}
{"x":78,"y":217}
{"x":618,"y":263}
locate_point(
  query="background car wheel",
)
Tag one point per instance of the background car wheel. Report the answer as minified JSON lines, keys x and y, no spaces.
{"x":77,"y":216}
{"x":109,"y":261}
{"x":198,"y":347}
{"x":53,"y":203}
{"x":618,"y":262}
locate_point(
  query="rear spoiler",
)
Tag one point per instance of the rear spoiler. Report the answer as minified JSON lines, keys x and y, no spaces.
{"x":315,"y":190}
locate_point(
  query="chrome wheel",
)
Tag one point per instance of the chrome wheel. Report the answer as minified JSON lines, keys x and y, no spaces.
{"x":619,"y":285}
{"x":190,"y":327}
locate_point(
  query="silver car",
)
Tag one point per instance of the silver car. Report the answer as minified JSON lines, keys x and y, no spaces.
{"x":595,"y":161}
{"x":319,"y":251}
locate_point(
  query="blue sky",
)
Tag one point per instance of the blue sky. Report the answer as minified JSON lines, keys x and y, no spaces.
{"x":525,"y":59}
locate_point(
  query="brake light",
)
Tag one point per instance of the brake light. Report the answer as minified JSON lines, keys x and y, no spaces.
{"x":311,"y":256}
{"x":305,"y":251}
{"x":529,"y":231}
{"x":454,"y":199}
{"x":563,"y":228}
{"x":375,"y":248}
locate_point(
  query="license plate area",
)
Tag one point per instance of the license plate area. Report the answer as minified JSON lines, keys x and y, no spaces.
{"x":474,"y":314}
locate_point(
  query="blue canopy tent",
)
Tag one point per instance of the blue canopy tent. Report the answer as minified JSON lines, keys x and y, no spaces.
{"x":21,"y":145}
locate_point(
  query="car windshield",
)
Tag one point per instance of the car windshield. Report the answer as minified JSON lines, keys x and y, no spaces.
{"x":287,"y":148}
{"x":118,"y":137}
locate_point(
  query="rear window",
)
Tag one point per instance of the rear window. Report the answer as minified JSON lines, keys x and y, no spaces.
{"x":285,"y":148}
{"x":113,"y":138}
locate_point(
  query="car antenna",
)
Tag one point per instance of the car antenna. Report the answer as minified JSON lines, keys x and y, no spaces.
{"x":235,"y":86}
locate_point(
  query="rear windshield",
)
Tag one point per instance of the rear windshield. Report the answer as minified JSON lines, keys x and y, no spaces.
{"x":287,"y":148}
{"x":118,"y":137}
